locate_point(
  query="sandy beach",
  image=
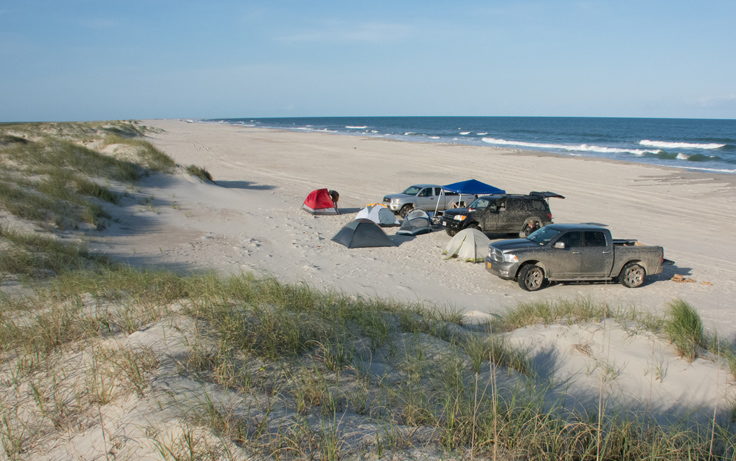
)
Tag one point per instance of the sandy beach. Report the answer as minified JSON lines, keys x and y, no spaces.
{"x":250,"y":218}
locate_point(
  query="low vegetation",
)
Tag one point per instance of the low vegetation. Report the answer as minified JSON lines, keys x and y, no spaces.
{"x":685,"y":329}
{"x":275,"y":370}
{"x":199,"y":172}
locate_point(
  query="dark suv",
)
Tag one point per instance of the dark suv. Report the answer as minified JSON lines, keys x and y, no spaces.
{"x":502,"y":214}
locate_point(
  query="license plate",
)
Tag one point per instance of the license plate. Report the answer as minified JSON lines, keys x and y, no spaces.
{"x":488,"y":265}
{"x":444,"y":223}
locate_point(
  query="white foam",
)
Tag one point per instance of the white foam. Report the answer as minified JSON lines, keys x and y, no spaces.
{"x":434,"y":137}
{"x":679,"y":145}
{"x":682,"y":156}
{"x":356,"y":127}
{"x":465,"y":133}
{"x":482,"y":133}
{"x":409,"y":133}
{"x":567,"y":147}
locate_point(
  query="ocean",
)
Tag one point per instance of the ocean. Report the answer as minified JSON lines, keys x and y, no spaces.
{"x":696,"y":144}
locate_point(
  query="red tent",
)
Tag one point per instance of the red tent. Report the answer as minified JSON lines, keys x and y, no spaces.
{"x":319,"y":202}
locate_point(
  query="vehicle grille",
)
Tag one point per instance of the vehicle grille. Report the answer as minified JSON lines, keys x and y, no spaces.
{"x":495,"y":254}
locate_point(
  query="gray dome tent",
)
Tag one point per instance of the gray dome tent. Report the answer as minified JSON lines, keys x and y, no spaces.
{"x":362,"y":233}
{"x":417,"y":222}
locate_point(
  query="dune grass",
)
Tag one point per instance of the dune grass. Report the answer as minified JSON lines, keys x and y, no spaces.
{"x":314,"y":352}
{"x":50,"y":176}
{"x":199,"y":172}
{"x":684,"y":329}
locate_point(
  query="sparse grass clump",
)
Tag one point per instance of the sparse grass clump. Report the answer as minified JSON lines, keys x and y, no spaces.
{"x":199,"y":172}
{"x":37,"y":256}
{"x":150,"y":157}
{"x":685,"y":329}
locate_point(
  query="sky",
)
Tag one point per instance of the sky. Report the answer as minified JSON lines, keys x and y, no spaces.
{"x":137,"y":59}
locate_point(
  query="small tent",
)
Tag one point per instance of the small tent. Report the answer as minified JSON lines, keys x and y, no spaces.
{"x":417,"y":222}
{"x":379,"y":214}
{"x":469,"y":245}
{"x":362,"y":233}
{"x":319,"y":202}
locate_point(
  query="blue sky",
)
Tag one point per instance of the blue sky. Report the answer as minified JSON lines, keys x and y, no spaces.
{"x":104,"y":59}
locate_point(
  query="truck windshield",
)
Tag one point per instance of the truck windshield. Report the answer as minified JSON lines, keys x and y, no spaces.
{"x":412,"y":190}
{"x":479,"y":203}
{"x":543,"y":235}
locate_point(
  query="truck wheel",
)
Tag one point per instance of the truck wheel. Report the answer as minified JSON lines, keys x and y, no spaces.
{"x":632,"y":275}
{"x":405,"y":210}
{"x":531,"y":277}
{"x":451,"y":232}
{"x":473,"y":226}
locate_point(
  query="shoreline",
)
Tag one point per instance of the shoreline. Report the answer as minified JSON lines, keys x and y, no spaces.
{"x":501,"y":150}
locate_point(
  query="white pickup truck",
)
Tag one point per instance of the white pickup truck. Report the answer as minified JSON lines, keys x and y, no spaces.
{"x":427,"y":197}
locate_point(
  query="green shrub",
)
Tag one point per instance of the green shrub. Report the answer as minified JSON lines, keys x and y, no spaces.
{"x":684,"y":328}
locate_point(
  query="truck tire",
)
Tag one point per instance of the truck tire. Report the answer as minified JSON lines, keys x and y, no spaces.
{"x":529,"y":226}
{"x":632,"y":275}
{"x":405,"y":210}
{"x":451,"y":232}
{"x":531,"y":277}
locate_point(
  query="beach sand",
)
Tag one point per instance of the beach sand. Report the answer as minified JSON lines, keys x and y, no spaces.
{"x":251,"y":218}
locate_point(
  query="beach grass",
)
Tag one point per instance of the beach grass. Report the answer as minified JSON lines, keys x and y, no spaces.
{"x":299,"y":366}
{"x":315,"y":353}
{"x":685,"y":329}
{"x":199,"y":172}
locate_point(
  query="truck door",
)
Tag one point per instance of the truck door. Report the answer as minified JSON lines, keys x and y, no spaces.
{"x":567,"y":260}
{"x":596,"y":255}
{"x":425,"y":199}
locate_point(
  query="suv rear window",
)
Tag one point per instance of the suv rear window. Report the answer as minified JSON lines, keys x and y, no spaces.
{"x":539,"y":205}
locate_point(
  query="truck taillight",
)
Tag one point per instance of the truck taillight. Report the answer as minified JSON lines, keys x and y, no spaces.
{"x":549,"y":216}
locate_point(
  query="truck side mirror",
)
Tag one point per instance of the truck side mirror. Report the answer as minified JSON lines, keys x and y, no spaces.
{"x":560,"y":245}
{"x":493,"y":208}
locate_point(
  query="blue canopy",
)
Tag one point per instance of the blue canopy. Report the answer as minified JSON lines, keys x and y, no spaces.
{"x":472,"y":186}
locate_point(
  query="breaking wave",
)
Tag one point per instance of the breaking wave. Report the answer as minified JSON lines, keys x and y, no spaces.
{"x":571,"y":148}
{"x":680,"y":145}
{"x":356,"y":127}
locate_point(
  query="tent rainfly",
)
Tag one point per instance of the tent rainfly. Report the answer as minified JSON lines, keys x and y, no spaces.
{"x":319,"y":202}
{"x":362,"y":233}
{"x":417,"y":222}
{"x":469,"y":244}
{"x":379,"y":214}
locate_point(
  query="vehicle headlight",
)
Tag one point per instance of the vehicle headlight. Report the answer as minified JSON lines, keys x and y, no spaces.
{"x":510,"y":258}
{"x":460,"y":217}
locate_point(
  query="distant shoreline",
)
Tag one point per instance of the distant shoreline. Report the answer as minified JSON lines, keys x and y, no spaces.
{"x":706,"y":145}
{"x":676,"y":171}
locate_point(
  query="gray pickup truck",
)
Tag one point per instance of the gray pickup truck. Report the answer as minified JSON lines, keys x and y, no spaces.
{"x":573,"y":252}
{"x":427,"y":197}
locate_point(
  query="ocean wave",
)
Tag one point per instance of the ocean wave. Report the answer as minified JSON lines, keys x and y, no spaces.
{"x":680,"y":145}
{"x":573,"y":148}
{"x":465,"y":133}
{"x":356,"y":127}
